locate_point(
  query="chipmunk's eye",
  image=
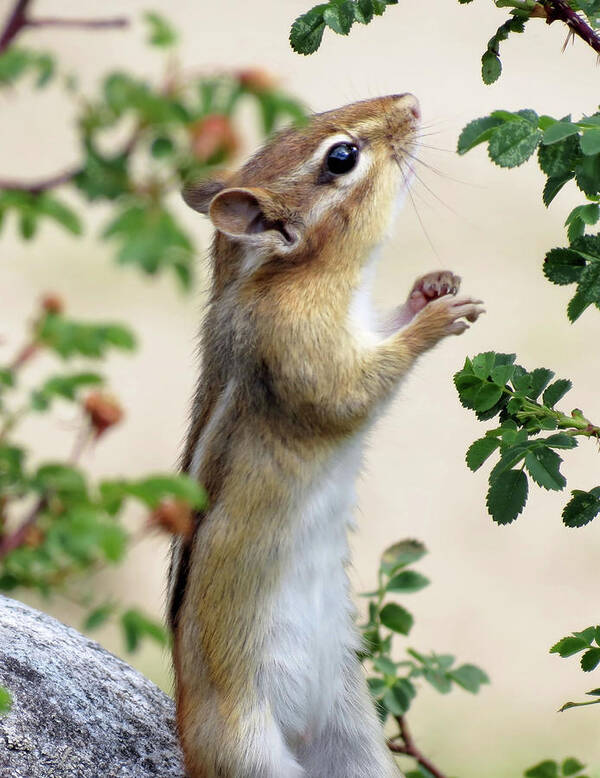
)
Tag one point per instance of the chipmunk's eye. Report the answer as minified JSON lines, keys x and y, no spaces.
{"x":341,"y":158}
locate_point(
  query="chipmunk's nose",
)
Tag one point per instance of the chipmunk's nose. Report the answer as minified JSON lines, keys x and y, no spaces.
{"x":409,"y":102}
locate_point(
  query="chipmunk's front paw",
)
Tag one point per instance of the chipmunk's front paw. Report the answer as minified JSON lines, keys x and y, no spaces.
{"x":431,"y":286}
{"x":450,"y":313}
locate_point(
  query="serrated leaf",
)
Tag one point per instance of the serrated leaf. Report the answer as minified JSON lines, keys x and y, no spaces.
{"x":507,"y":496}
{"x":479,"y":451}
{"x":513,"y":143}
{"x":339,"y":16}
{"x":477,"y":394}
{"x":407,"y":581}
{"x":555,"y":392}
{"x":540,"y":378}
{"x":469,"y":677}
{"x":590,"y":660}
{"x":396,"y":618}
{"x":582,"y":508}
{"x":476,"y":132}
{"x":491,"y":67}
{"x":543,"y":466}
{"x":569,"y":646}
{"x":553,"y":186}
{"x":363,"y":11}
{"x":587,"y":174}
{"x":563,"y":266}
{"x":560,"y":440}
{"x":559,"y":158}
{"x":307,"y":31}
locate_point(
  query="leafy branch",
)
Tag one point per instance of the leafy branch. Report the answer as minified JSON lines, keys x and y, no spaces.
{"x":576,"y":643}
{"x":393,"y":684}
{"x":493,"y":385}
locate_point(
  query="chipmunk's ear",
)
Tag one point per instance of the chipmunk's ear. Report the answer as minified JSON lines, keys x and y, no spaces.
{"x":198,"y":195}
{"x":253,"y":215}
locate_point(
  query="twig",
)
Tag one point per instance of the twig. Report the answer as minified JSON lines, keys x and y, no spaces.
{"x":37,"y":187}
{"x":18,"y":20}
{"x":560,"y":10}
{"x":409,"y":748}
{"x":9,"y":542}
{"x":118,"y":21}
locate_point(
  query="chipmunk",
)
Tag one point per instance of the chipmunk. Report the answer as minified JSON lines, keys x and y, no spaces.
{"x":294,"y":371}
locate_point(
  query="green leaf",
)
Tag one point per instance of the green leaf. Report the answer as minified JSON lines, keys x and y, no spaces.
{"x":397,"y":700}
{"x":513,"y":143}
{"x":479,"y":451}
{"x":377,"y":687}
{"x":590,"y":660}
{"x":439,"y":680}
{"x":590,"y":142}
{"x":384,"y":665}
{"x":588,"y":214}
{"x":553,"y":186}
{"x":491,"y":67}
{"x":577,"y":305}
{"x":137,"y":626}
{"x":63,"y":480}
{"x":363,"y":12}
{"x":54,"y":209}
{"x":339,"y":16}
{"x":569,"y":646}
{"x":476,"y":132}
{"x":559,"y":131}
{"x":65,"y":386}
{"x":307,"y":31}
{"x":5,"y":701}
{"x":98,"y":616}
{"x":563,"y":266}
{"x":469,"y":677}
{"x":540,"y":378}
{"x":546,"y":769}
{"x":396,"y":618}
{"x":582,"y":508}
{"x":560,"y":440}
{"x":507,"y":496}
{"x":571,"y":766}
{"x":401,"y":554}
{"x":559,"y":159}
{"x":70,"y":338}
{"x":587,"y":174}
{"x":407,"y":581}
{"x":161,"y":33}
{"x":162,"y":147}
{"x":543,"y":466}
{"x":476,"y":394}
{"x":555,"y":392}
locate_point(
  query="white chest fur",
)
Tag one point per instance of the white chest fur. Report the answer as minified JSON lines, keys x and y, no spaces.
{"x":312,"y":630}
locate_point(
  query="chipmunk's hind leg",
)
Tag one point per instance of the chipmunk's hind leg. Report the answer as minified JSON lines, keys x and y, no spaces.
{"x":352,"y":744}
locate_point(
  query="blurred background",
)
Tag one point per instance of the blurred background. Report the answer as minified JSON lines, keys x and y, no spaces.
{"x":500,"y":596}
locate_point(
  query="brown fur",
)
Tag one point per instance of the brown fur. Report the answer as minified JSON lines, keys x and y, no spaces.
{"x":303,"y":384}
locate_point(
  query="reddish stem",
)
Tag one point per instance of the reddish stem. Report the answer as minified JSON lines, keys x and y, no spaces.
{"x":36,"y":187}
{"x":9,"y":542}
{"x":409,"y":748}
{"x":16,"y":21}
{"x":561,"y":10}
{"x":119,"y":21}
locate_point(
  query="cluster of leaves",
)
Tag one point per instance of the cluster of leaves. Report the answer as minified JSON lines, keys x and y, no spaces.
{"x":551,"y":769}
{"x":56,"y":527}
{"x":307,"y":30}
{"x":588,"y":642}
{"x":392,"y":683}
{"x":566,"y":150}
{"x":179,"y":130}
{"x":524,"y":401}
{"x":521,"y":12}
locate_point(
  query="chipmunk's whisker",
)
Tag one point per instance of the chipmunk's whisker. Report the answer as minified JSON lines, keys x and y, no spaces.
{"x":414,"y":205}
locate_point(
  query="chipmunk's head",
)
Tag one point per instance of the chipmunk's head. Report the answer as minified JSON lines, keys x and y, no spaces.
{"x":335,"y":182}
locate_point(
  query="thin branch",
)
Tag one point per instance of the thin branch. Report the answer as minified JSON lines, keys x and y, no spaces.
{"x":37,"y":187}
{"x":560,"y":10}
{"x":18,"y":21}
{"x":409,"y":748}
{"x":9,"y":542}
{"x":118,"y":21}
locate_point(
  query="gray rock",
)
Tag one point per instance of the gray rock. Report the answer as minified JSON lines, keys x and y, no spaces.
{"x":78,"y":711}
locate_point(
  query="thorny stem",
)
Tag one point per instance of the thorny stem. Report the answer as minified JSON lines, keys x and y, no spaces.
{"x":408,"y":747}
{"x":560,"y":10}
{"x":18,"y":20}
